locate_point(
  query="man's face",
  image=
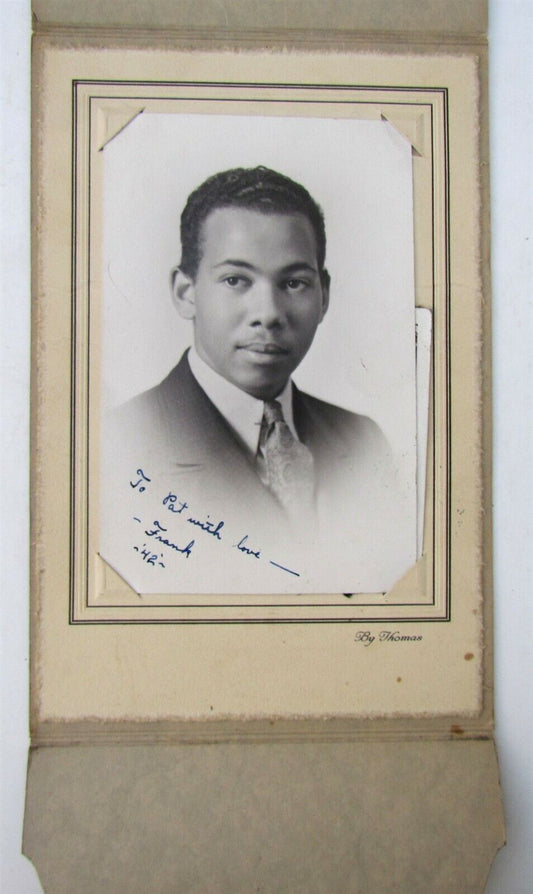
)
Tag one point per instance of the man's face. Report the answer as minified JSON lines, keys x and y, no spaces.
{"x":257,"y":298}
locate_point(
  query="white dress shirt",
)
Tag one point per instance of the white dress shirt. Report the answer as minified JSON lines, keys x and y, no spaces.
{"x":242,"y":412}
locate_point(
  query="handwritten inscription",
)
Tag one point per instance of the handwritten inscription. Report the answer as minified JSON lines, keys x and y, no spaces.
{"x":208,"y":526}
{"x":139,"y":483}
{"x":158,"y":530}
{"x":174,"y":505}
{"x":148,"y":556}
{"x":160,"y":533}
{"x":243,"y":548}
{"x":367,"y":638}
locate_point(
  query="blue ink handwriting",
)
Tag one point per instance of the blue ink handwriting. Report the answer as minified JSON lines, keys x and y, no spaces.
{"x":148,"y":556}
{"x":138,"y":483}
{"x":241,"y":546}
{"x":207,"y":526}
{"x":174,"y":505}
{"x":288,"y":570}
{"x":160,"y":534}
{"x":156,"y":533}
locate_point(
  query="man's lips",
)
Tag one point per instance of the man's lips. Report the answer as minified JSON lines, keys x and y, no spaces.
{"x":260,"y":347}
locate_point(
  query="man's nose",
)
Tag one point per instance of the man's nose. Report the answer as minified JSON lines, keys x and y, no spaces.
{"x":268,"y":305}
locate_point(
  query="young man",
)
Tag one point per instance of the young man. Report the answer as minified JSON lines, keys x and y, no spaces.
{"x":227,"y":431}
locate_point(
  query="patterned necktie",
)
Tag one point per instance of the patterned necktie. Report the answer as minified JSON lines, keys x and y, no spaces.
{"x":288,"y":463}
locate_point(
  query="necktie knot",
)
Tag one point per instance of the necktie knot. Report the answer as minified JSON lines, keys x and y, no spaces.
{"x":274,"y":424}
{"x":272,"y":413}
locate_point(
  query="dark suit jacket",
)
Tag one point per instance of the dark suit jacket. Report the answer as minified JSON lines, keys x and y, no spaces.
{"x":177,"y":434}
{"x":182,"y":443}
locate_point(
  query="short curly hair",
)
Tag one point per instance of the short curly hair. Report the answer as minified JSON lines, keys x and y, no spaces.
{"x":257,"y":189}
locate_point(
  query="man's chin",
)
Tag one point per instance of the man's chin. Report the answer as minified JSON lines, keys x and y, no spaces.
{"x":262,"y":387}
{"x":264,"y":379}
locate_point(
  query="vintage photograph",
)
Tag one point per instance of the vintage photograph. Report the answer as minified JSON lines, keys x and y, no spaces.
{"x":258,"y":392}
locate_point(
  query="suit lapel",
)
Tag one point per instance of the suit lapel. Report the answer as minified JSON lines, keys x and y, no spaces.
{"x":310,"y":427}
{"x":199,"y":436}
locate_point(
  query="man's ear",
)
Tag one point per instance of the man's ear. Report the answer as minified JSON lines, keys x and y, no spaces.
{"x":182,"y":288}
{"x":325,"y":282}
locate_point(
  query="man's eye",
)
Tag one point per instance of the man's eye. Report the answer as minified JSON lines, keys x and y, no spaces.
{"x":295,"y":285}
{"x":234,"y":281}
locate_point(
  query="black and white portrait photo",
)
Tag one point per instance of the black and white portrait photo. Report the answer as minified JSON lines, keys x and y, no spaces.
{"x":258,"y":389}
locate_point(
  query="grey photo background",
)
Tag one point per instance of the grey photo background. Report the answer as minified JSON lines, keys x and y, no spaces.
{"x":511,"y":147}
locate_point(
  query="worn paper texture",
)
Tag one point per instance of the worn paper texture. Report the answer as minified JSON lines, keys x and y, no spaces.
{"x":232,"y":742}
{"x":261,"y":670}
{"x":412,"y":817}
{"x":432,"y":16}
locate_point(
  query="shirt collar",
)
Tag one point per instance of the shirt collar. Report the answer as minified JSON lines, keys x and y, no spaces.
{"x":242,"y":412}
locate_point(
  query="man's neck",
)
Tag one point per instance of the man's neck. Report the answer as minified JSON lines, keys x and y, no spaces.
{"x":242,"y":411}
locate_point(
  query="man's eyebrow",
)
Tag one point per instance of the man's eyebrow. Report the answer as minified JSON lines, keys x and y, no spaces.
{"x":232,"y":262}
{"x":289,"y":268}
{"x":298,"y":265}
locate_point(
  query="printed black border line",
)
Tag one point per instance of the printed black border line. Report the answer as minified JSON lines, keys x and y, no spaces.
{"x":179,"y":622}
{"x":271,"y":605}
{"x":89,"y":99}
{"x":74,"y":179}
{"x":260,"y":85}
{"x":358,"y":604}
{"x":447,"y":306}
{"x":88,"y":347}
{"x":73,"y":414}
{"x":309,"y":102}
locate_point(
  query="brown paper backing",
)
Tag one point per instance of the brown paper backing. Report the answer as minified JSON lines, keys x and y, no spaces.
{"x":413,"y":817}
